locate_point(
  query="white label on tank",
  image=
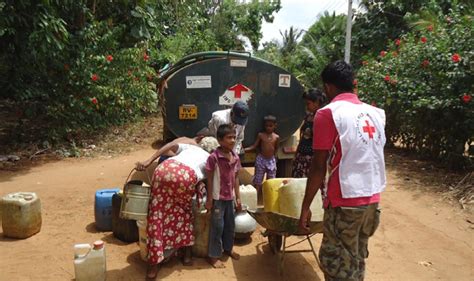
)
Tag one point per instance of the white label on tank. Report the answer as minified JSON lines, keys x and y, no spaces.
{"x":196,"y":82}
{"x":238,"y":63}
{"x":284,"y":80}
{"x":238,"y":92}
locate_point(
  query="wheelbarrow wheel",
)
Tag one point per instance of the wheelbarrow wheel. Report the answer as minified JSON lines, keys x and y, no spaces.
{"x":274,"y":240}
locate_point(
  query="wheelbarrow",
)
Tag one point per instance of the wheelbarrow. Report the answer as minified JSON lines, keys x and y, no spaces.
{"x":279,"y":227}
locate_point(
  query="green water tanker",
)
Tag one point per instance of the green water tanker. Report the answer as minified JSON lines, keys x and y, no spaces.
{"x":199,"y":84}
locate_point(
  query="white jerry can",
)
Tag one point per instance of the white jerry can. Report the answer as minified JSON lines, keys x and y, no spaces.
{"x":89,"y":261}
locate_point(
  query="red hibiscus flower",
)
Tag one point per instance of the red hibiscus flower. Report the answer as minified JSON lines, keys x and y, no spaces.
{"x":387,"y":78}
{"x":383,"y":53}
{"x":109,"y":58}
{"x":423,"y":40}
{"x":94,"y":77}
{"x":466,"y":98}
{"x":456,"y":57}
{"x":397,"y":42}
{"x":425,"y":63}
{"x":146,"y":57}
{"x":94,"y":100}
{"x":430,"y":28}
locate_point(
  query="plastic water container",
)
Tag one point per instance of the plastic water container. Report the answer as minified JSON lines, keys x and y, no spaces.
{"x":270,"y":194}
{"x":142,"y":237}
{"x":89,"y":262}
{"x":125,"y":230}
{"x":103,"y":208}
{"x":135,"y":201}
{"x":21,"y":214}
{"x":202,"y":222}
{"x":248,"y":196}
{"x":291,"y":197}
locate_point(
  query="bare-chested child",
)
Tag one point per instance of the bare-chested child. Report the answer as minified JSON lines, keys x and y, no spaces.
{"x":265,"y":163}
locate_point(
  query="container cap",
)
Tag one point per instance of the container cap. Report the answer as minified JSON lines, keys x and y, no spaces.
{"x":99,"y":244}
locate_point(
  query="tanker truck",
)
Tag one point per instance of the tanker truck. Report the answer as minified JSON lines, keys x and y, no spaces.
{"x":199,"y":84}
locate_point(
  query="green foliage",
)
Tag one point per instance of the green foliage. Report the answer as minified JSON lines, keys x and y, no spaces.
{"x":106,"y":84}
{"x":425,"y":92}
{"x":320,"y":44}
{"x":79,"y":66}
{"x":327,"y":36}
{"x":424,"y":83}
{"x":236,"y":19}
{"x":380,"y":22}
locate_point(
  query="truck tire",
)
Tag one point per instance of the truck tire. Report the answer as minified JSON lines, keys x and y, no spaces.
{"x":168,"y":136}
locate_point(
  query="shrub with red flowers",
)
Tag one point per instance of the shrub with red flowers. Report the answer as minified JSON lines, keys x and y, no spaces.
{"x":100,"y":91}
{"x":429,"y":106}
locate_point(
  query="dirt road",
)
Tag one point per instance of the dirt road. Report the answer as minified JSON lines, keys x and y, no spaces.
{"x":421,"y":237}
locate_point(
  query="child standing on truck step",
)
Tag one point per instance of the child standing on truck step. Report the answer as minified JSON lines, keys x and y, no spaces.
{"x":265,"y":163}
{"x":222,"y":169}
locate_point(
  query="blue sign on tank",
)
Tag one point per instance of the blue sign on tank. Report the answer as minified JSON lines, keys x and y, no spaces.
{"x":103,"y":208}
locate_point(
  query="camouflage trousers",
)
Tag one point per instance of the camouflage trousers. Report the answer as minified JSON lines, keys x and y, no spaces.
{"x":345,"y":241}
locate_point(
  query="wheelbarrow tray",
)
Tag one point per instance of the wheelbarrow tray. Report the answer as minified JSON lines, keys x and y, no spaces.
{"x":282,"y":224}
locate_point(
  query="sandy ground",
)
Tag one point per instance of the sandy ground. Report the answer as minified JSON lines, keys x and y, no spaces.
{"x":421,"y":236}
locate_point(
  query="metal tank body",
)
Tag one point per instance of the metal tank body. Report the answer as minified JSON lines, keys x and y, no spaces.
{"x":202,"y":83}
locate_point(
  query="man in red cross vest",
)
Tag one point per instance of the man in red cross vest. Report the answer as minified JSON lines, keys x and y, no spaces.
{"x":348,"y":147}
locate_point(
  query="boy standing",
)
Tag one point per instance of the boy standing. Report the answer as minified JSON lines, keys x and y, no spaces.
{"x":265,"y":163}
{"x":222,"y":170}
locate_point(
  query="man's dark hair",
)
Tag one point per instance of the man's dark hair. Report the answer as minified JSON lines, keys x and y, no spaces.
{"x":224,"y":130}
{"x":315,"y":95}
{"x":339,"y":74}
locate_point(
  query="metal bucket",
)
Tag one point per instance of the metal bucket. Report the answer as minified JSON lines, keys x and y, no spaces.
{"x":136,"y":196}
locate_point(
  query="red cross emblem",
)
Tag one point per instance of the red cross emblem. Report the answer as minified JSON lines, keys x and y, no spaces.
{"x":238,"y":89}
{"x":369,"y":129}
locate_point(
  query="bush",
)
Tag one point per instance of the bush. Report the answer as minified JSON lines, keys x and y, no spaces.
{"x":106,"y":83}
{"x":424,"y":82}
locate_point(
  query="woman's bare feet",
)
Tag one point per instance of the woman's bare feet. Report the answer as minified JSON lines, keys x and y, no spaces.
{"x":216,"y":263}
{"x":152,"y":271}
{"x":232,"y":254}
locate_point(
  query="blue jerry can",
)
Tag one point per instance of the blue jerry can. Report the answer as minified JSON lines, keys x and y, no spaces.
{"x":103,"y":208}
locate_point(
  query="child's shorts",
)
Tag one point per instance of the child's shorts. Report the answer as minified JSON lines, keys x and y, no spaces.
{"x":264,"y":166}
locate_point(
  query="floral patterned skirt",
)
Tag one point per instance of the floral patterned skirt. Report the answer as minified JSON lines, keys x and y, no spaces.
{"x":301,"y":165}
{"x":170,"y":217}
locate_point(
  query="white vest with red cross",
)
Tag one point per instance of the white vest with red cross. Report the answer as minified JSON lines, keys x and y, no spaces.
{"x":362,"y":135}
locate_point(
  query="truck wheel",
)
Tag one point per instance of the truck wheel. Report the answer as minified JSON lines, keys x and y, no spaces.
{"x":284,"y":167}
{"x":167,"y":134}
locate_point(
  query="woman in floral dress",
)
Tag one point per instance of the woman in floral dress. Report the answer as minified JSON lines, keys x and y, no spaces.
{"x":314,"y":99}
{"x":170,"y":217}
